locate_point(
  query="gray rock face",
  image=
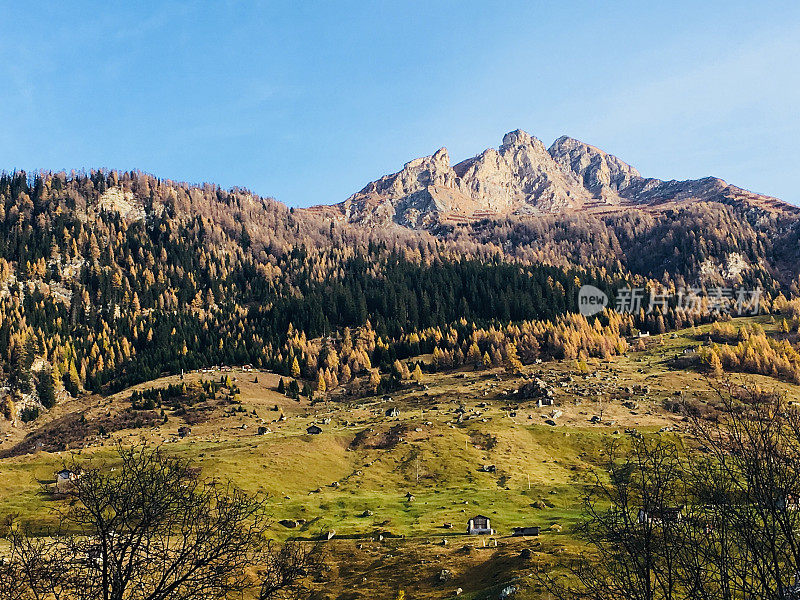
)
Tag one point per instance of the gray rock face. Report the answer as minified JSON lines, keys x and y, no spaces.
{"x":539,"y":182}
{"x":488,"y":180}
{"x":603,"y":174}
{"x":614,"y":181}
{"x":424,"y":185}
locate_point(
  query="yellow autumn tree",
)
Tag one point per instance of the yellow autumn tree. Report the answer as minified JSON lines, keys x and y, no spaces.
{"x":321,"y":387}
{"x":715,"y":364}
{"x":474,"y":355}
{"x":374,"y":379}
{"x":512,"y":363}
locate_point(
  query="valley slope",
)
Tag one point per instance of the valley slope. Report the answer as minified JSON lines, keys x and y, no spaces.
{"x":418,"y":325}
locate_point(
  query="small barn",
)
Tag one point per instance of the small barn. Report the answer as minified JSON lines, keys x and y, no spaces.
{"x":525,"y":531}
{"x":314,"y":430}
{"x":64,"y":481}
{"x":479,"y":525}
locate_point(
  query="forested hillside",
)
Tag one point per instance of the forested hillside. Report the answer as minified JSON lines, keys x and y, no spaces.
{"x":108,"y":279}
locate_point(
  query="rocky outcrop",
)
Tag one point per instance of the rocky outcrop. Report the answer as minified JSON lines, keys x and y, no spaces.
{"x":122,"y":202}
{"x":520,"y":177}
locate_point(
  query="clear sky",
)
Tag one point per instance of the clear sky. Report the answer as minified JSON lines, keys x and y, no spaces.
{"x":308,"y":101}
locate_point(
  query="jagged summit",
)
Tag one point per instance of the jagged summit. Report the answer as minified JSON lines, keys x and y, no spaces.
{"x":603,"y":174}
{"x":521,"y":177}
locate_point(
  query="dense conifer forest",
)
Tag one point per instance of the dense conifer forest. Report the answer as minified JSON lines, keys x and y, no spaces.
{"x":109,"y":279}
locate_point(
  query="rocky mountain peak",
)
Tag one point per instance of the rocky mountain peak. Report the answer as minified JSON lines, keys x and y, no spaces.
{"x":520,"y":177}
{"x":518,"y":137}
{"x":438,"y":160}
{"x":441,"y":156}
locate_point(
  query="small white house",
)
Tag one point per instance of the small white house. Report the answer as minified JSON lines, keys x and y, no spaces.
{"x":661,"y":516}
{"x":479,"y":525}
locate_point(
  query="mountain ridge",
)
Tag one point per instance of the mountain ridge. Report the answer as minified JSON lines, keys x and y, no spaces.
{"x":523,"y":177}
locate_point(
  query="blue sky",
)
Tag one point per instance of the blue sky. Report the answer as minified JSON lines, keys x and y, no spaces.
{"x":308,"y":101}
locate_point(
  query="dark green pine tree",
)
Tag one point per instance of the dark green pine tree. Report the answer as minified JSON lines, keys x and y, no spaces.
{"x":46,"y":388}
{"x":20,"y":368}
